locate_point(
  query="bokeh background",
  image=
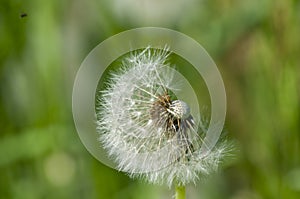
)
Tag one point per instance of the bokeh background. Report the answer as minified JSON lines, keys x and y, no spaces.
{"x":256,"y":45}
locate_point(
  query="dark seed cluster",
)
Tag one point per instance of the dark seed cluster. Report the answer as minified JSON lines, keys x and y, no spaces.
{"x":164,"y":114}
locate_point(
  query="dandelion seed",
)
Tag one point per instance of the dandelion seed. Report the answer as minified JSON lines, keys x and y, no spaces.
{"x":146,"y":129}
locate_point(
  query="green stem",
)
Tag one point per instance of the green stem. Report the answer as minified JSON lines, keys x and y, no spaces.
{"x":180,"y":192}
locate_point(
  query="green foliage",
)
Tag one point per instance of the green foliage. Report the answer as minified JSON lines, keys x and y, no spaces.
{"x":255,"y":44}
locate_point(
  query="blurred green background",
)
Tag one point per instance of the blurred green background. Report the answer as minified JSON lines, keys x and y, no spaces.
{"x":256,"y":45}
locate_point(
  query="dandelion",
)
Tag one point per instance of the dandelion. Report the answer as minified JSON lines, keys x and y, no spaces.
{"x":148,"y":131}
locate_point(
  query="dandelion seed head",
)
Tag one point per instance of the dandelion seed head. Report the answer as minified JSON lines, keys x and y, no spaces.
{"x":148,"y":131}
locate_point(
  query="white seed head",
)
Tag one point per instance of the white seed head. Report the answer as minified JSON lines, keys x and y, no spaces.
{"x":180,"y":109}
{"x":145,"y":129}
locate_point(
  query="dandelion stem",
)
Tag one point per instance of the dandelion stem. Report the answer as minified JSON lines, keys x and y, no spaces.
{"x":180,"y":192}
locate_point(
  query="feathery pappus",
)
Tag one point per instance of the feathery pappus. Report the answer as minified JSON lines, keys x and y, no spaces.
{"x":145,"y":129}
